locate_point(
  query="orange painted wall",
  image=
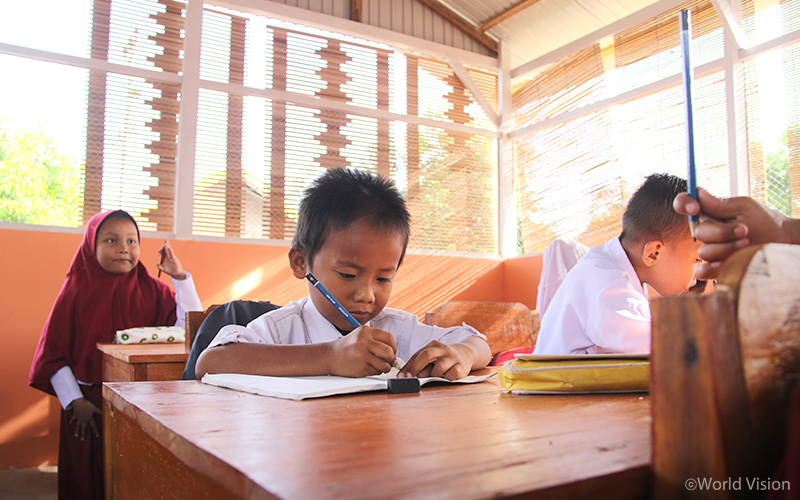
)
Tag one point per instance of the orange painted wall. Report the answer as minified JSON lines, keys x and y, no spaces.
{"x":514,"y":280}
{"x":33,"y":265}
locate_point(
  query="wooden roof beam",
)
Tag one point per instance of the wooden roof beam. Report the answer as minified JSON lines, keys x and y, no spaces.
{"x":506,"y":14}
{"x":459,"y":22}
{"x":355,"y":10}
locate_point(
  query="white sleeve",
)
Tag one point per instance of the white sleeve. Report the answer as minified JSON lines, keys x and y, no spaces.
{"x":236,"y":334}
{"x":66,"y":386}
{"x":620,"y":322}
{"x":186,"y":298}
{"x":419,"y":335}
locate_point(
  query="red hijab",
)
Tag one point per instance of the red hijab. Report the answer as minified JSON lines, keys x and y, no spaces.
{"x":91,"y":306}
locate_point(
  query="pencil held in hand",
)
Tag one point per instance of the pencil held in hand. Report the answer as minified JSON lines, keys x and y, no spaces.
{"x":685,"y":19}
{"x":339,"y":307}
{"x":163,"y":254}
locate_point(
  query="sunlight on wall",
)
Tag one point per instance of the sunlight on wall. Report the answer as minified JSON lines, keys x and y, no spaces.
{"x":271,"y":281}
{"x":424,"y":282}
{"x":246,"y":284}
{"x":34,"y":420}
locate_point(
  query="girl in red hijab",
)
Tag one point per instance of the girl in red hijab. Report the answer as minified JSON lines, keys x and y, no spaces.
{"x":107,"y":289}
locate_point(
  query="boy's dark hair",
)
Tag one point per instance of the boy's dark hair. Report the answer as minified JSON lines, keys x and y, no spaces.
{"x":341,"y":197}
{"x":649,"y":214}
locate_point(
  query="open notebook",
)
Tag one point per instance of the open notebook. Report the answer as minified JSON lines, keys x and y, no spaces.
{"x":298,"y":388}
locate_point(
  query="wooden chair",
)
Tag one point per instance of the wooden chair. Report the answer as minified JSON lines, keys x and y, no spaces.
{"x":193,"y":321}
{"x":205,"y":326}
{"x":722,"y":366}
{"x":507,"y":325}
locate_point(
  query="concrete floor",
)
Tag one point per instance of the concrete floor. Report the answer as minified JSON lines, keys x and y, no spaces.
{"x":29,"y":484}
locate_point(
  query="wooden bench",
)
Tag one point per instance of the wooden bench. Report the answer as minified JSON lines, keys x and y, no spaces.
{"x":507,"y":325}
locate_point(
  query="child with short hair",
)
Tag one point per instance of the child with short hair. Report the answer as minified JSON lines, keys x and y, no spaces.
{"x":602,"y":305}
{"x":107,"y":289}
{"x":352,"y":233}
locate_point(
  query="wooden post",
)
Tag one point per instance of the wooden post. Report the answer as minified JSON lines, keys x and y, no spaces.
{"x":698,"y":395}
{"x":722,"y":366}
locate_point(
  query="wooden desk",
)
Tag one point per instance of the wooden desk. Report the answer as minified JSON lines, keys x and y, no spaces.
{"x":135,"y":362}
{"x":185,"y":439}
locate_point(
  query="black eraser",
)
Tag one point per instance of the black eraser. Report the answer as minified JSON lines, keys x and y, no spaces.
{"x":403,"y":385}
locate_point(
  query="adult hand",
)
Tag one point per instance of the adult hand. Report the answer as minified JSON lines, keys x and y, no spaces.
{"x":727,"y":225}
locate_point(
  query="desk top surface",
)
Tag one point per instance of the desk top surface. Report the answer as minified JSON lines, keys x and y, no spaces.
{"x":448,"y":441}
{"x":146,"y":353}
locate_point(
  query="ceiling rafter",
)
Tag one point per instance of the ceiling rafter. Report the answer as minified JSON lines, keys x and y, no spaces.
{"x":459,"y":22}
{"x":506,"y":14}
{"x":355,"y":10}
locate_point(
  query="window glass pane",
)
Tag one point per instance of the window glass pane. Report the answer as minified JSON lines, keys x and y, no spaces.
{"x":139,"y":149}
{"x":255,"y":156}
{"x":773,"y":121}
{"x":576,"y":175}
{"x":141,"y":34}
{"x":42,"y":142}
{"x":256,"y":150}
{"x":65,"y":29}
{"x":764,"y":20}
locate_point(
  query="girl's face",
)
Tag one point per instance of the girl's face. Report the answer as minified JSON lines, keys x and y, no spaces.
{"x":117,"y":246}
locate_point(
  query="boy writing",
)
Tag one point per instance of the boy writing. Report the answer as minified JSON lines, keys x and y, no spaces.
{"x":352,"y":233}
{"x":602,"y":305}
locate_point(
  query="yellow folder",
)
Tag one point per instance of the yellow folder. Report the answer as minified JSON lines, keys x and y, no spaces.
{"x":575,"y":374}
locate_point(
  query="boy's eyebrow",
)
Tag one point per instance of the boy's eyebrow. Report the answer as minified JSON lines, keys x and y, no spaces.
{"x":347,"y":263}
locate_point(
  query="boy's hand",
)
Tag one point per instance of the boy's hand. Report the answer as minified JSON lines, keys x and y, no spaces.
{"x":362,"y":352}
{"x":171,"y":264}
{"x":83,"y":412}
{"x":438,"y":359}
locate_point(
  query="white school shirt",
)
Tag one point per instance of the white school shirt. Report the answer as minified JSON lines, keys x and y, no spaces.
{"x":559,"y":257}
{"x":299,"y":323}
{"x":64,"y":383}
{"x":600,"y":307}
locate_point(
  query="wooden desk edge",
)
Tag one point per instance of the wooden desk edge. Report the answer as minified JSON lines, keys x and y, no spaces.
{"x":629,"y":483}
{"x":147,"y":353}
{"x":202,"y":462}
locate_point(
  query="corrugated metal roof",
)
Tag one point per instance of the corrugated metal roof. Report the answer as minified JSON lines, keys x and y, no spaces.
{"x":536,"y":29}
{"x":545,"y":25}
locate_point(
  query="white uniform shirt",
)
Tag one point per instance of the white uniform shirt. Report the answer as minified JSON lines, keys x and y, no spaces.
{"x":559,"y":257}
{"x":299,"y":323}
{"x":600,"y":307}
{"x":65,"y":385}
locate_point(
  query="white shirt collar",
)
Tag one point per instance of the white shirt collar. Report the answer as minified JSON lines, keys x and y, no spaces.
{"x":318,"y":329}
{"x":615,"y":250}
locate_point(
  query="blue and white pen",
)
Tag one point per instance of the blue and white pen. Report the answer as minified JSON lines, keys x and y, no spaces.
{"x":688,"y":78}
{"x":325,"y":293}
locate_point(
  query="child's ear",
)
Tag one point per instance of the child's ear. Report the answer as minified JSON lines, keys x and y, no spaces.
{"x":297,"y":261}
{"x":650,"y":252}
